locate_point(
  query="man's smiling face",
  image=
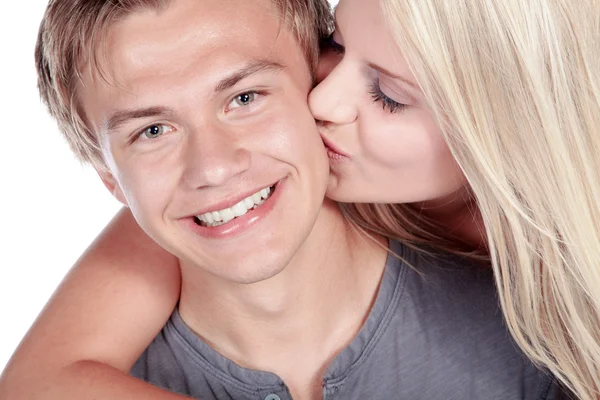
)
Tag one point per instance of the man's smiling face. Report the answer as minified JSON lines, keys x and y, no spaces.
{"x":206,"y":120}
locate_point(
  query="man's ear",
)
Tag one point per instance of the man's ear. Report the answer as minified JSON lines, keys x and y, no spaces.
{"x":112,"y":185}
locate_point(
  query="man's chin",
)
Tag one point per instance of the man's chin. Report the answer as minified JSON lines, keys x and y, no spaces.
{"x":253,"y":268}
{"x":248,"y":275}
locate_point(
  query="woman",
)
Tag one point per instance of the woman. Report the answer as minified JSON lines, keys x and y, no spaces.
{"x":481,"y":140}
{"x":511,"y":90}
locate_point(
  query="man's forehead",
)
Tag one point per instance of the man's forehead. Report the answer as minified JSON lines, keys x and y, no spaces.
{"x":186,"y":29}
{"x":213,"y":18}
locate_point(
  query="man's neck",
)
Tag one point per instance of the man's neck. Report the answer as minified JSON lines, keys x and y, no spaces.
{"x":294,"y":323}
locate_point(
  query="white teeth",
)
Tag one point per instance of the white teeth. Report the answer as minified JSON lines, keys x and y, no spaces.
{"x":265,"y":193}
{"x":240,"y":209}
{"x":227,"y":214}
{"x":216,"y":218}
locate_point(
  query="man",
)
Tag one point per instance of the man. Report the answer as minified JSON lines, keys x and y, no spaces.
{"x":198,"y":110}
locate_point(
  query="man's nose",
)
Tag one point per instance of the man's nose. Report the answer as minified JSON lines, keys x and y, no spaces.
{"x":333,"y":100}
{"x":212,"y":158}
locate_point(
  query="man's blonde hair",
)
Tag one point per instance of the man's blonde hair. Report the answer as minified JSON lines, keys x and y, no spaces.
{"x":72,"y":32}
{"x":515,"y":87}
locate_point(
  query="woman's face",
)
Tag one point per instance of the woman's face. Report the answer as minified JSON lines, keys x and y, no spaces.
{"x":383,"y":143}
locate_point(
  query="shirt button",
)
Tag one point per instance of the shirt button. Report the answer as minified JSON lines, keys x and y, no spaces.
{"x":272,"y":397}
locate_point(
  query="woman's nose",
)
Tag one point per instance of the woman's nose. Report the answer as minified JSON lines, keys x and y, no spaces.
{"x":334,"y":99}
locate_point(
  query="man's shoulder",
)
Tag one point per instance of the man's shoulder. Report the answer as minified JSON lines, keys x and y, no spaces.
{"x":159,"y":363}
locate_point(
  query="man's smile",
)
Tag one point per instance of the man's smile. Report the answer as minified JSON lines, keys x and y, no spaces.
{"x":224,"y":215}
{"x":234,"y":216}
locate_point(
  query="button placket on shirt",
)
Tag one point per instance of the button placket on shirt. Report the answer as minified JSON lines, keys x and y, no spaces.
{"x":272,"y":396}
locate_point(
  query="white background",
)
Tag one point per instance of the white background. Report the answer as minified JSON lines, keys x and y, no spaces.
{"x":51,"y":207}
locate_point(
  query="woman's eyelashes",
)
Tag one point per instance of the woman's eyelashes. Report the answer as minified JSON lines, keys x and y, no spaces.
{"x":330,"y":44}
{"x":378,"y":96}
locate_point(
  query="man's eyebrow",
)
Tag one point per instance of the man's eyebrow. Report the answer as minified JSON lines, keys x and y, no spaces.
{"x":250,"y":69}
{"x":121,"y":116}
{"x":391,"y":75}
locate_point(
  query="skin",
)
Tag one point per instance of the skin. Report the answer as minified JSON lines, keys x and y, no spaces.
{"x":389,"y":157}
{"x":211,"y":150}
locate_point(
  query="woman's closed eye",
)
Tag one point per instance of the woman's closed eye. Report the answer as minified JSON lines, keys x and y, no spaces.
{"x":387,"y":103}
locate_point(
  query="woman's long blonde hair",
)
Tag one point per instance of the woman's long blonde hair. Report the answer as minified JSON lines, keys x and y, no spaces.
{"x":515,"y":86}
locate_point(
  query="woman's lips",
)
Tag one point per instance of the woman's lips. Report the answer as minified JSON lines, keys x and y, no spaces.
{"x":333,"y":152}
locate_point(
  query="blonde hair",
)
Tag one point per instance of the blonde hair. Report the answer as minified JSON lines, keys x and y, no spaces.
{"x":72,"y":31}
{"x":515,"y":87}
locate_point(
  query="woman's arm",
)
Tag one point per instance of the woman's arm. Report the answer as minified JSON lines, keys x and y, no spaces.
{"x":104,"y":314}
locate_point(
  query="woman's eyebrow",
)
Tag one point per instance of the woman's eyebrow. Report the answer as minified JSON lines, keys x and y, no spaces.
{"x":394,"y":76}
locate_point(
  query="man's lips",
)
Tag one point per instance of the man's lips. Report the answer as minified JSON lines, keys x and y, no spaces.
{"x":234,"y":226}
{"x":231,"y":201}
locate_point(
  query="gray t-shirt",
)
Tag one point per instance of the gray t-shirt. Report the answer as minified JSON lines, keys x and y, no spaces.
{"x":434,"y":332}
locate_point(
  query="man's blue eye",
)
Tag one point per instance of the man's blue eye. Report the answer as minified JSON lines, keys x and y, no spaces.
{"x":242,"y":100}
{"x":155,"y":131}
